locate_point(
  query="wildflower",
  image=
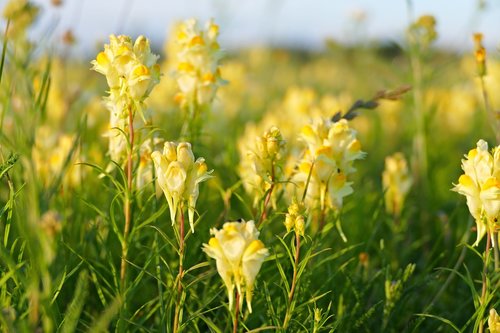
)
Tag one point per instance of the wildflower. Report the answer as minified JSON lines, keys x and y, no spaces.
{"x":328,"y":161}
{"x":397,"y":181}
{"x":480,"y":54}
{"x":239,"y":254}
{"x":198,"y":74}
{"x":130,"y":69}
{"x":179,"y":176}
{"x":480,"y":183}
{"x":131,"y":73}
{"x":423,"y":30}
{"x":260,"y":162}
{"x":494,"y":321}
{"x":294,"y":219}
{"x":54,"y":154}
{"x":145,"y":169}
{"x":21,"y":14}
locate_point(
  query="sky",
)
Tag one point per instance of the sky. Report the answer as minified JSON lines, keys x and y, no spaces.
{"x":293,"y":23}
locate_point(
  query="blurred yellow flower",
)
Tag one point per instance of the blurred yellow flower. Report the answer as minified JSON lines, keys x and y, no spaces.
{"x":198,"y":56}
{"x":480,"y":184}
{"x":397,"y":181}
{"x":494,"y":321}
{"x":179,"y":176}
{"x":239,"y":254}
{"x":294,"y":219}
{"x":328,"y":160}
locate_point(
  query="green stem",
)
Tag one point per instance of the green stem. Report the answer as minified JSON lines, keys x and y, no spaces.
{"x":485,"y":271}
{"x":289,"y":309}
{"x":236,"y":312}
{"x":263,"y":215}
{"x":128,"y":201}
{"x":495,"y":123}
{"x":181,"y":272}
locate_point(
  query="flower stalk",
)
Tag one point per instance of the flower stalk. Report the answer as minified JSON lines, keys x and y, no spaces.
{"x":180,"y":275}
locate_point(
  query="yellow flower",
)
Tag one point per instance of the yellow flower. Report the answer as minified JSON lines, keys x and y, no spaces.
{"x":179,"y":176}
{"x":198,"y":56}
{"x":294,"y":219}
{"x":480,"y":184}
{"x":239,"y":254}
{"x":129,"y":68}
{"x":328,"y":161}
{"x":397,"y":181}
{"x":494,"y":322}
{"x":260,"y":160}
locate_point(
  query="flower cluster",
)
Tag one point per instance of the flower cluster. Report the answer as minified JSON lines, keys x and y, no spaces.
{"x":239,"y":255}
{"x":198,"y":74}
{"x":260,"y":161}
{"x":332,"y":148}
{"x":179,"y":176}
{"x":131,"y":72}
{"x":480,"y":183}
{"x":294,"y":219}
{"x":397,"y":181}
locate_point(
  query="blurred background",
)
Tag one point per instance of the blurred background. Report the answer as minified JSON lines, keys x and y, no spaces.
{"x":279,"y":23}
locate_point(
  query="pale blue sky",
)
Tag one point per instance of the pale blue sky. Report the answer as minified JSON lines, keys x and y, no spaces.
{"x":272,"y":22}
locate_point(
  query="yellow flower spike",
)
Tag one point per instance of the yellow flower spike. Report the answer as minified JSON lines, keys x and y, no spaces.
{"x":179,"y":177}
{"x":481,"y":187}
{"x":239,"y":256}
{"x":332,"y":147}
{"x":397,"y":181}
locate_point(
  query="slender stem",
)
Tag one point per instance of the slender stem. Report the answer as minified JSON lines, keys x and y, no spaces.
{"x":263,"y":215}
{"x":128,"y":201}
{"x":495,"y":250}
{"x":294,"y":281}
{"x":485,"y":271}
{"x":181,"y":271}
{"x":489,"y":113}
{"x":322,"y":218}
{"x":295,"y":267}
{"x":236,"y":312}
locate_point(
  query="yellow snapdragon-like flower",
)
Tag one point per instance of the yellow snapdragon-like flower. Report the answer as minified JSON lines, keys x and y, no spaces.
{"x":260,"y":159}
{"x":494,"y":322}
{"x":131,"y":72}
{"x":480,"y":184}
{"x":239,"y":255}
{"x":397,"y":181}
{"x":332,"y":147}
{"x":130,"y":69}
{"x":179,"y":176}
{"x":198,"y":74}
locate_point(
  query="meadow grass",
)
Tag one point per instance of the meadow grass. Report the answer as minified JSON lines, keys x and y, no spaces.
{"x":63,"y":199}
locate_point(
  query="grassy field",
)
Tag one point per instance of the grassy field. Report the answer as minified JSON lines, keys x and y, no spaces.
{"x":97,"y":230}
